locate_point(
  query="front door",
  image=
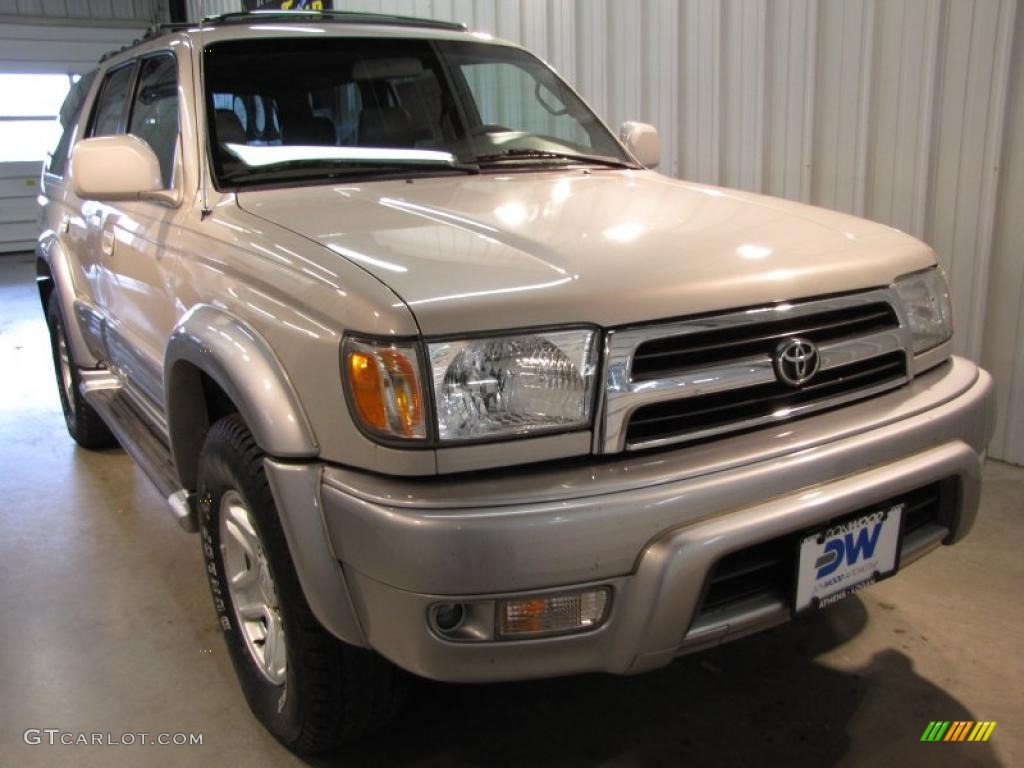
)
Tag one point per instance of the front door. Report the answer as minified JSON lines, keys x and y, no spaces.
{"x":140,"y":236}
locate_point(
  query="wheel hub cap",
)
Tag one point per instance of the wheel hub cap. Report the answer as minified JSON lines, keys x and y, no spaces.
{"x":252,"y":590}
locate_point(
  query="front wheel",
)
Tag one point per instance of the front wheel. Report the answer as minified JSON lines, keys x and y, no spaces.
{"x":306,"y":687}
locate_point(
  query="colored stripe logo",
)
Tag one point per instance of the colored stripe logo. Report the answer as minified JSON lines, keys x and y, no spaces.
{"x":958,"y":730}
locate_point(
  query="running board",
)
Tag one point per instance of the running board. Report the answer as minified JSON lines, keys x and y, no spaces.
{"x":145,"y":448}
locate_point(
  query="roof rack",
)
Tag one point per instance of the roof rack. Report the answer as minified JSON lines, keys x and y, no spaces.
{"x":154,"y":30}
{"x":342,"y":17}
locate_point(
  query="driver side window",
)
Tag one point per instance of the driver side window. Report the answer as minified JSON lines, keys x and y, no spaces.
{"x":154,"y":115}
{"x":510,"y":98}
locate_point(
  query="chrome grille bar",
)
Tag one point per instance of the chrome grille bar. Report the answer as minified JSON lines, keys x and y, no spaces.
{"x":625,"y":392}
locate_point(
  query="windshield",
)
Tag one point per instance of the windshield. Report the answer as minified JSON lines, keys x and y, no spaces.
{"x":300,"y":109}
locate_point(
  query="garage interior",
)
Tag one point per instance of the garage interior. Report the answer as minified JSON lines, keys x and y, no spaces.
{"x":907,"y":112}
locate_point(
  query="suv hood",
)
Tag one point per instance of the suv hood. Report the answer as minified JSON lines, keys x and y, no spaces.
{"x":475,"y":253}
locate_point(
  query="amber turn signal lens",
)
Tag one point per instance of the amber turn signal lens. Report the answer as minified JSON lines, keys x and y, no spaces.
{"x":553,"y":614}
{"x":364,"y":374}
{"x":385,"y":389}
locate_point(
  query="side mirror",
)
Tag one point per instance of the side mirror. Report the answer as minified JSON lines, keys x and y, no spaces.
{"x":643,"y":141}
{"x":115,"y":168}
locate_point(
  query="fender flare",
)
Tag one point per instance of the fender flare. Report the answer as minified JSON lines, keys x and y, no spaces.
{"x":296,"y":489}
{"x":244,"y":366}
{"x":52,"y":254}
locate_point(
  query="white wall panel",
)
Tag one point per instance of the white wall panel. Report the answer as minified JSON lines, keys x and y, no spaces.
{"x":900,"y":90}
{"x":146,"y":11}
{"x":1004,"y":324}
{"x":790,"y":63}
{"x":197,"y":8}
{"x":19,"y":211}
{"x":744,"y":80}
{"x":891,"y":109}
{"x":967,"y":112}
{"x":59,"y":49}
{"x":845,"y":46}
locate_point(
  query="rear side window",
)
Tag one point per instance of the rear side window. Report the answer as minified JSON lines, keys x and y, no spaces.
{"x":106,"y":120}
{"x":69,"y":116}
{"x":154,"y":116}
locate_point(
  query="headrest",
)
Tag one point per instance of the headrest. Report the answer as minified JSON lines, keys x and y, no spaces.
{"x":316,"y":131}
{"x":229,"y":127}
{"x":386,"y":127}
{"x":386,"y":69}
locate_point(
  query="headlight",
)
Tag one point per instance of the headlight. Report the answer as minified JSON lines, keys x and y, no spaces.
{"x":513,"y":385}
{"x":927,"y":307}
{"x":384,"y":389}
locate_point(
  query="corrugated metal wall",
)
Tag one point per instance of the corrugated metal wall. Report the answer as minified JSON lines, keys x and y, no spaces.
{"x":68,"y":36}
{"x":58,"y":49}
{"x":19,"y":211}
{"x":93,"y":10}
{"x":1004,"y":323}
{"x":891,"y":109}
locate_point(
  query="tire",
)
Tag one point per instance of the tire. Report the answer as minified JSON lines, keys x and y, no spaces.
{"x":85,"y":426}
{"x":328,"y":692}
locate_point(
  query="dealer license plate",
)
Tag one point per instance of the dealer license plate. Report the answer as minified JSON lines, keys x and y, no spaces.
{"x":848,"y":556}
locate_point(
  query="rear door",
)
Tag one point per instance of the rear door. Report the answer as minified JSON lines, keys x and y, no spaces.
{"x":62,"y":210}
{"x":85,"y":236}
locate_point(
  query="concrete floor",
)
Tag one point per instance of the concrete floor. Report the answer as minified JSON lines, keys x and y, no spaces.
{"x":107,"y":627}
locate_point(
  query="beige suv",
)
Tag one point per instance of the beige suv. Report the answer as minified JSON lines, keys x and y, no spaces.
{"x":448,"y":381}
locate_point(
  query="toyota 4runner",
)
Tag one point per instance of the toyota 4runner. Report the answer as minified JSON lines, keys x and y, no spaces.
{"x":448,"y":381}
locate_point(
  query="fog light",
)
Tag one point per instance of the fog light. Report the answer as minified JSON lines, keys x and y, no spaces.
{"x":553,"y":614}
{"x":448,"y":616}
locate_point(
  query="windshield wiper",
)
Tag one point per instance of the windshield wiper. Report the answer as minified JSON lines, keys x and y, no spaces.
{"x":523,"y":153}
{"x":303,"y":168}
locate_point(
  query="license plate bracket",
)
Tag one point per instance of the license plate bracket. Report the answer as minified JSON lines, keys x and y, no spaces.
{"x":845,"y":557}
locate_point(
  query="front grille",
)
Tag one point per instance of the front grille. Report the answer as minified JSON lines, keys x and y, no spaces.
{"x":710,"y":375}
{"x":667,"y":356}
{"x":694,"y":414}
{"x":768,"y":569}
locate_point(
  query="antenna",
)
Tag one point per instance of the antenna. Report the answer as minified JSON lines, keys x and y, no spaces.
{"x":205,"y":211}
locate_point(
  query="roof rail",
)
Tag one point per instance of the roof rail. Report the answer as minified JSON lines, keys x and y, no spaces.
{"x":154,"y":30}
{"x":344,"y":17}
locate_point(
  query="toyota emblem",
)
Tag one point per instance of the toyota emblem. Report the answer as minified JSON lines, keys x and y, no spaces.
{"x":796,"y":361}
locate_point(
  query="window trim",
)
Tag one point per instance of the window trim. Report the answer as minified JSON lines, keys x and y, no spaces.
{"x":172,"y":183}
{"x":137,"y":76}
{"x":122,"y":119}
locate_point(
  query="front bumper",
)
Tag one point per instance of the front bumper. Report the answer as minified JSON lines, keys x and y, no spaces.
{"x":651,"y":527}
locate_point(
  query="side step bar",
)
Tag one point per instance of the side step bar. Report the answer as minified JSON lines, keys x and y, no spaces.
{"x":143,"y":446}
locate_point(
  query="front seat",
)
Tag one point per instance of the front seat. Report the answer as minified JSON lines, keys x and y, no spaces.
{"x":229,"y":128}
{"x":309,"y":130}
{"x":386,"y":127}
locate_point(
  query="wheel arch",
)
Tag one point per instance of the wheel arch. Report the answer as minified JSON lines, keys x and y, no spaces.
{"x":210,"y":358}
{"x":53,"y":273}
{"x":215,"y":363}
{"x":44,"y":279}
